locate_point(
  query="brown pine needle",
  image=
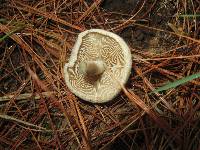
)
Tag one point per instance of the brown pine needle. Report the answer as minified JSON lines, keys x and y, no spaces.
{"x":159,"y":121}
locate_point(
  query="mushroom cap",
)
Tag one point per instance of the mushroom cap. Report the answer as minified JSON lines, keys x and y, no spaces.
{"x":92,"y":45}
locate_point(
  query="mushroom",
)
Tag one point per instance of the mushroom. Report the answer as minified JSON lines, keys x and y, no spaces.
{"x":99,"y":61}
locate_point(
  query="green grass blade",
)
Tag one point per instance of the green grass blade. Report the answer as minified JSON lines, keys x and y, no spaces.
{"x":2,"y":20}
{"x":176,"y":83}
{"x":7,"y":35}
{"x":189,"y":15}
{"x":11,"y":32}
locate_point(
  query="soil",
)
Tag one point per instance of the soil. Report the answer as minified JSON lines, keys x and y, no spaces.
{"x":125,"y":6}
{"x":139,"y":37}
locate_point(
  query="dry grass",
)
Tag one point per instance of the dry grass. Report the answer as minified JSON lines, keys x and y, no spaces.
{"x":36,"y":108}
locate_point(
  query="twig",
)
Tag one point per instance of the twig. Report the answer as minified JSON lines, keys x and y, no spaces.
{"x":26,"y":96}
{"x":20,"y":121}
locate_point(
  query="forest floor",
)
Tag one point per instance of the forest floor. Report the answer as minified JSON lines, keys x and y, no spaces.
{"x":38,"y":111}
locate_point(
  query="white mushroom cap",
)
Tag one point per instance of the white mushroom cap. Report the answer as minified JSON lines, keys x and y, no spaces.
{"x":99,"y":61}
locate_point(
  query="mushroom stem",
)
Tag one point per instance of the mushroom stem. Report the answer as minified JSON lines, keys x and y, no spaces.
{"x":92,"y":68}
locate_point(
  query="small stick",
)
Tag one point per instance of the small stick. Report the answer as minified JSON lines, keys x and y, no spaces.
{"x":26,"y":96}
